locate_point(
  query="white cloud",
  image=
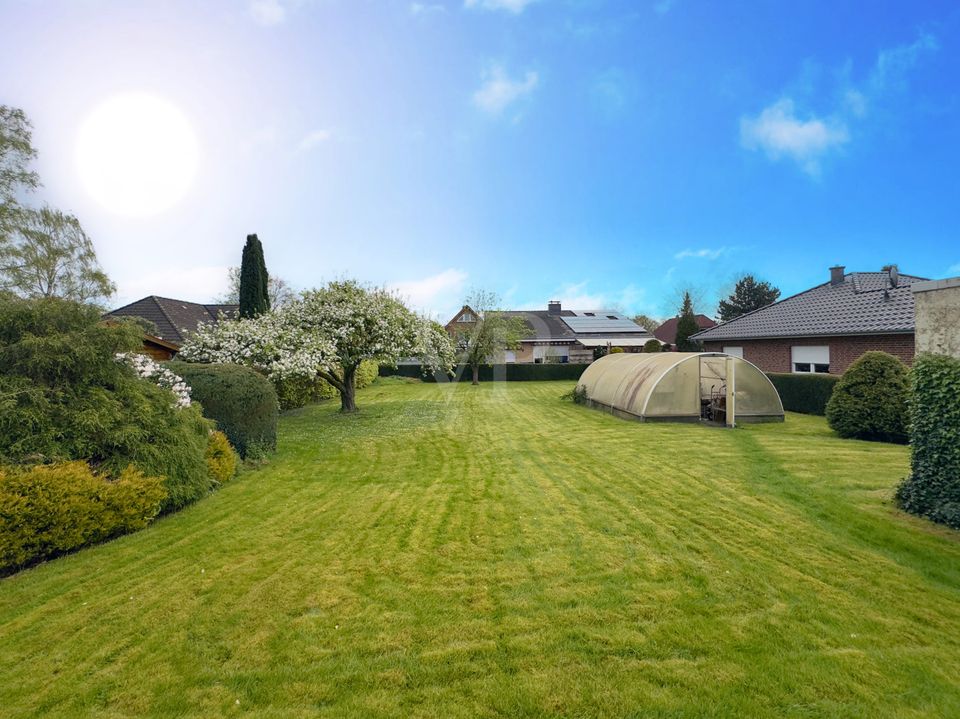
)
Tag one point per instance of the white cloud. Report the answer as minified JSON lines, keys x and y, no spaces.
{"x":893,"y":64}
{"x":194,"y":284}
{"x":267,"y":12}
{"x":702,"y":254}
{"x":512,"y":6}
{"x":312,"y":139}
{"x":498,"y":90}
{"x":780,"y":133}
{"x":954,"y":269}
{"x":439,"y":295}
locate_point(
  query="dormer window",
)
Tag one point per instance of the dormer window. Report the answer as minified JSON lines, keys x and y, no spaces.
{"x":468,"y":317}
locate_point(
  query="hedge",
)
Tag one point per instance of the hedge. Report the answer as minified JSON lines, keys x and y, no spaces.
{"x":933,"y":488}
{"x":509,"y":372}
{"x":240,"y":400}
{"x":870,"y":400}
{"x":48,"y":510}
{"x":805,"y":393}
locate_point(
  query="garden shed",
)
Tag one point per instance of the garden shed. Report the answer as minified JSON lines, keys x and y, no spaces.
{"x":681,"y":387}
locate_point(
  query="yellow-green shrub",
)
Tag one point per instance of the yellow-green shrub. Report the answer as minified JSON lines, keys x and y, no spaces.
{"x":47,"y":510}
{"x":221,"y":458}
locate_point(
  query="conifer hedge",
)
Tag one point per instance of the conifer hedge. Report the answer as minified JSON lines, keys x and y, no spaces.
{"x":807,"y":393}
{"x":933,"y":488}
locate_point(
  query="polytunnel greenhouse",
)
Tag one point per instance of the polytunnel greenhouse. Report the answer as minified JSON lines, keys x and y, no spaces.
{"x":681,"y":387}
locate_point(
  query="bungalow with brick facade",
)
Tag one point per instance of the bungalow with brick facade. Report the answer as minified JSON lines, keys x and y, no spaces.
{"x":825,"y":328}
{"x":559,"y":335}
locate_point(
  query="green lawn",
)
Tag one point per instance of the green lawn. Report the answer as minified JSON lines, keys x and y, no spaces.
{"x":494,"y":551}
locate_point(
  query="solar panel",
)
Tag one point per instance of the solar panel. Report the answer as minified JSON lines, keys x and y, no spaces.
{"x":601,"y":323}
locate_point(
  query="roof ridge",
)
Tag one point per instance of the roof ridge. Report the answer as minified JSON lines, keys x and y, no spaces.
{"x":159,"y":305}
{"x":760,"y":309}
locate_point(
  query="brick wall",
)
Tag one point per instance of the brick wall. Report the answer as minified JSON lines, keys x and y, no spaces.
{"x":774,"y":355}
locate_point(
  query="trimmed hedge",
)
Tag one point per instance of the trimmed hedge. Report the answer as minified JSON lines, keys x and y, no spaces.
{"x":48,"y":510}
{"x":805,"y":393}
{"x":933,"y":488}
{"x":240,"y":400}
{"x":509,"y":372}
{"x":870,"y":400}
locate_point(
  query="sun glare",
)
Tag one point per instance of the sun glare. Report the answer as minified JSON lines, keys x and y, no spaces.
{"x":136,"y":154}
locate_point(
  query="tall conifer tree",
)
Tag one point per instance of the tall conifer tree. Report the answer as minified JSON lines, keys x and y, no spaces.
{"x":254,"y":298}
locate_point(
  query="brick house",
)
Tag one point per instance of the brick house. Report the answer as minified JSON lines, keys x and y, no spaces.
{"x":825,"y":328}
{"x":667,"y":332}
{"x":172,"y":320}
{"x":559,"y":335}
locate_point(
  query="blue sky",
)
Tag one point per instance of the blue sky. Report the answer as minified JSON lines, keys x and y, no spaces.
{"x":604,"y":153}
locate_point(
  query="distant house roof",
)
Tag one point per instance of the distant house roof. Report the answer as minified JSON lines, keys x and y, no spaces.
{"x":667,"y":332}
{"x":174,"y":319}
{"x":857,"y":303}
{"x":560,"y":324}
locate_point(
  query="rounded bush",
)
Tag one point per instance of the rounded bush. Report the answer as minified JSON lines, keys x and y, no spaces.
{"x":240,"y":400}
{"x":66,"y":397}
{"x":616,"y":350}
{"x":870,"y":400}
{"x":221,"y":458}
{"x":652,"y":346}
{"x":48,"y":510}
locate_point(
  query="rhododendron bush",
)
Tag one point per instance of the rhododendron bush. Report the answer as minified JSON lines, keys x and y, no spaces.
{"x":326,"y":334}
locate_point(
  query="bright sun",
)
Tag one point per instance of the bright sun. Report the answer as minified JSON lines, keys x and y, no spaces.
{"x":136,"y":154}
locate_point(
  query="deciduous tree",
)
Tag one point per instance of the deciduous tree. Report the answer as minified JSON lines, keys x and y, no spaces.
{"x":49,"y":255}
{"x":326,"y":334}
{"x":492,"y":333}
{"x":16,"y":154}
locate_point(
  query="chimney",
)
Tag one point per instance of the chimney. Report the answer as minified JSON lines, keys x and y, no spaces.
{"x":836,"y":275}
{"x":553,"y":307}
{"x":894,"y":274}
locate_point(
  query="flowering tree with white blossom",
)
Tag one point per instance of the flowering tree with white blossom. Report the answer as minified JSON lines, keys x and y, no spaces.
{"x":326,"y":334}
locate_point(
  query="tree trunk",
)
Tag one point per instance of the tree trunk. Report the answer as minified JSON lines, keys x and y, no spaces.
{"x":476,"y":374}
{"x":348,"y":392}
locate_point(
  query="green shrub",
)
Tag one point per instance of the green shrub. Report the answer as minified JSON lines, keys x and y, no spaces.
{"x":64,"y":397}
{"x":221,"y":458}
{"x":933,"y":488}
{"x":240,"y":400}
{"x":870,"y":400}
{"x":652,"y":346}
{"x":509,"y":372}
{"x":807,"y":393}
{"x":48,"y":510}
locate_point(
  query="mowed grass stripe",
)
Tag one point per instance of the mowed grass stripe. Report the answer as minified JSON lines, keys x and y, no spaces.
{"x":493,"y":551}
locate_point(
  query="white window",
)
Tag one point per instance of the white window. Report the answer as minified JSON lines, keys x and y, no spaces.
{"x":509,"y":356}
{"x":810,"y":359}
{"x":467,"y":317}
{"x":733,"y":351}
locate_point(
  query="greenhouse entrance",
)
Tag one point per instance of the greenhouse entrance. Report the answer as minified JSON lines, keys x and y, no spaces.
{"x":681,"y":387}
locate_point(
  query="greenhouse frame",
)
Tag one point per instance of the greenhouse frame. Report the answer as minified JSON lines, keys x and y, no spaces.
{"x":681,"y":387}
